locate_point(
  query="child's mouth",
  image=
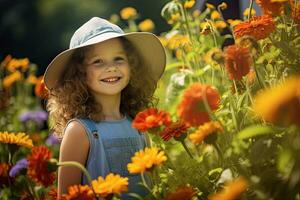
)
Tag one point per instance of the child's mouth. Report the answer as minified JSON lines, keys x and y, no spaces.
{"x":111,"y":79}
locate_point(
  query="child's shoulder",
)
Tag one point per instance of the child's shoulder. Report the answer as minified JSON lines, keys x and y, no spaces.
{"x":74,"y":132}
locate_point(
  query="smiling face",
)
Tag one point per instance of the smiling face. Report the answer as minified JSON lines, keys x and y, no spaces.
{"x":107,"y":68}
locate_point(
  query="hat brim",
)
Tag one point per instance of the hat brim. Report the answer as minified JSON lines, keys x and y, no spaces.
{"x":148,"y":45}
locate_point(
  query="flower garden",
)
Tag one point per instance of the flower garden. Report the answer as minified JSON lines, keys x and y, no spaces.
{"x":226,"y":126}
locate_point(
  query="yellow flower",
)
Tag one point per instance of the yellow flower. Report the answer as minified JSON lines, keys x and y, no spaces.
{"x":279,"y":1}
{"x":15,"y":64}
{"x":163,"y":41}
{"x":144,"y":160}
{"x":196,"y":13}
{"x":223,"y":6}
{"x":11,"y":79}
{"x":189,"y":4}
{"x":215,"y":15}
{"x":177,"y":41}
{"x":112,"y":184}
{"x":234,"y":22}
{"x":128,"y":12}
{"x":146,"y":25}
{"x":220,"y":24}
{"x":20,"y":139}
{"x":210,"y":6}
{"x":247,"y":11}
{"x":280,"y":104}
{"x":174,"y":18}
{"x":31,"y":79}
{"x":205,"y":130}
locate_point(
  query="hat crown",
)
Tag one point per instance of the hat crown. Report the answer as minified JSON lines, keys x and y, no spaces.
{"x":94,"y":27}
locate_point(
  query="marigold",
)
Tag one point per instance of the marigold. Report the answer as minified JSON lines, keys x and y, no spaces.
{"x":113,"y":184}
{"x":204,"y":131}
{"x":40,"y":89}
{"x":215,"y":15}
{"x":79,"y":192}
{"x":191,"y":109}
{"x":258,"y":27}
{"x":237,"y":61}
{"x":38,"y":166}
{"x":11,"y":79}
{"x":15,"y":64}
{"x":176,"y":130}
{"x":144,"y":160}
{"x":270,"y":8}
{"x":151,"y":118}
{"x":20,"y":139}
{"x":189,"y":4}
{"x":232,"y":190}
{"x":146,"y":25}
{"x":182,"y":193}
{"x":128,"y":12}
{"x":280,"y":104}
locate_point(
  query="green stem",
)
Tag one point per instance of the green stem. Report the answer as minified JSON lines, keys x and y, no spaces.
{"x":258,"y":77}
{"x":250,"y":7}
{"x":249,"y":92}
{"x":31,"y":190}
{"x":146,"y":185}
{"x":187,"y":149}
{"x":219,"y":151}
{"x":183,"y":11}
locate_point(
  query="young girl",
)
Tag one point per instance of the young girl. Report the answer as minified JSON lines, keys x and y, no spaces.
{"x":96,"y":87}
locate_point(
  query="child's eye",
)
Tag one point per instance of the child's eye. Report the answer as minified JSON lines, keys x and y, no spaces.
{"x":98,"y":61}
{"x":119,"y":59}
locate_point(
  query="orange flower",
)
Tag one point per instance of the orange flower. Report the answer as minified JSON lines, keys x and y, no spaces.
{"x":295,"y":10}
{"x":53,"y":194}
{"x":182,"y":193}
{"x":270,"y":8}
{"x":38,"y":166}
{"x":191,"y":109}
{"x":146,"y":25}
{"x":112,"y":184}
{"x":175,"y":130}
{"x":280,"y":104}
{"x":204,"y":131}
{"x":20,"y":139}
{"x":15,"y":64}
{"x":232,"y":190}
{"x":40,"y":89}
{"x":150,"y":118}
{"x":128,"y":13}
{"x":237,"y":61}
{"x":258,"y":27}
{"x":79,"y":192}
{"x":144,"y":160}
{"x":9,"y":80}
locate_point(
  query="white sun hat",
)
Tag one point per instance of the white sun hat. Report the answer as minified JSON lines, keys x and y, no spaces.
{"x":97,"y":30}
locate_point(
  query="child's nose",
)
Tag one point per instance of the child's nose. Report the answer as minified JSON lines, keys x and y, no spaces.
{"x":111,"y":67}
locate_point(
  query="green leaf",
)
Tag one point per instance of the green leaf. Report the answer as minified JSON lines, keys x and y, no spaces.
{"x":213,"y":171}
{"x":253,"y":131}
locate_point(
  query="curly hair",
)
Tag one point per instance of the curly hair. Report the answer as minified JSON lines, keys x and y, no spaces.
{"x":64,"y":104}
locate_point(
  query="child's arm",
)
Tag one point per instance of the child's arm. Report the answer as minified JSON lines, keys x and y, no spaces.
{"x":74,"y":147}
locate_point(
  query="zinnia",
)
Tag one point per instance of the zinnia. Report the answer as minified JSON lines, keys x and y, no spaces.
{"x":191,"y":109}
{"x":280,"y":104}
{"x":270,"y":8}
{"x":79,"y":192}
{"x":237,"y":61}
{"x":258,"y":27}
{"x":113,"y":184}
{"x":144,"y":160}
{"x":232,"y":190}
{"x":176,"y":130}
{"x":20,"y":139}
{"x":38,"y":166}
{"x":182,"y":193}
{"x":151,"y":118}
{"x":204,"y":131}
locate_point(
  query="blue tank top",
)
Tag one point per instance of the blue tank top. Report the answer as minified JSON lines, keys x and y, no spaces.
{"x":112,"y":144}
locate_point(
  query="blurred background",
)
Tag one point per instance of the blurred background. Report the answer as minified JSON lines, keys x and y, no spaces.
{"x":40,"y":29}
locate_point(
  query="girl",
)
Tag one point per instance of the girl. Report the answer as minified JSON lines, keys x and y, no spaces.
{"x":96,"y":87}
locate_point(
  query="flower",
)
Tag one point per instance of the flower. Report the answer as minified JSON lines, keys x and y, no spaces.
{"x":11,"y":79}
{"x":177,"y":41}
{"x":295,"y":7}
{"x":231,"y":191}
{"x":223,"y":6}
{"x":220,"y":24}
{"x":247,"y":12}
{"x":20,"y":139}
{"x":39,"y":164}
{"x":79,"y":192}
{"x":146,"y":25}
{"x":38,"y":116}
{"x":128,"y":12}
{"x":144,"y":160}
{"x":53,"y":194}
{"x":174,"y":18}
{"x":189,"y":4}
{"x":191,"y":109}
{"x":182,"y":193}
{"x":4,"y":178}
{"x":40,"y":89}
{"x":32,"y":79}
{"x":150,"y":118}
{"x":204,"y":131}
{"x":210,"y":6}
{"x":175,"y":130}
{"x":15,"y":64}
{"x":234,"y":22}
{"x":21,"y":164}
{"x":258,"y":27}
{"x":112,"y":184}
{"x":52,"y":140}
{"x":215,"y":15}
{"x":280,"y":104}
{"x":237,"y":61}
{"x":270,"y":8}
{"x":214,"y":55}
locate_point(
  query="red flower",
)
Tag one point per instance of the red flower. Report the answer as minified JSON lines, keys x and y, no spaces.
{"x":175,"y":129}
{"x":79,"y":192}
{"x":237,"y":61}
{"x":258,"y":27}
{"x":38,"y":163}
{"x":270,"y":8}
{"x":40,"y":89}
{"x":191,"y":109}
{"x":150,"y":118}
{"x":182,"y":193}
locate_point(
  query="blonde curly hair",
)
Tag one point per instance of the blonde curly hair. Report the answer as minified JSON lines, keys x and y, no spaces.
{"x":64,"y":104}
